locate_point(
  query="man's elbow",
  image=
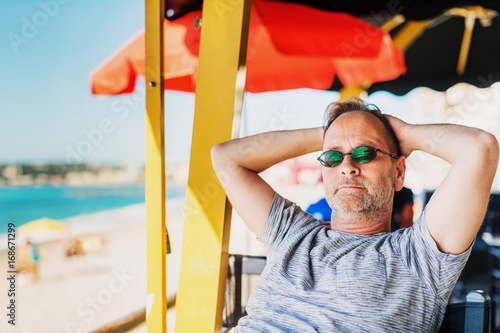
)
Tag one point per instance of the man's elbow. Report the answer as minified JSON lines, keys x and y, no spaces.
{"x":223,"y":157}
{"x":218,"y":154}
{"x":488,"y":149}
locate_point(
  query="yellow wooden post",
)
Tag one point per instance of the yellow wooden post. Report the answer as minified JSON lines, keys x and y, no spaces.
{"x":155,"y":170}
{"x":358,"y":91}
{"x":219,"y":92}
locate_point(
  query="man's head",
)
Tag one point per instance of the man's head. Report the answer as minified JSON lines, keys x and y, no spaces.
{"x":356,"y":189}
{"x":336,"y":109}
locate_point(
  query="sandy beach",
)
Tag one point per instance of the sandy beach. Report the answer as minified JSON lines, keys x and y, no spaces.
{"x":84,"y":292}
{"x":81,"y":293}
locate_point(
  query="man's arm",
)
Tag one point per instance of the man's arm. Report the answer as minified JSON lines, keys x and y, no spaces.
{"x":456,"y":209}
{"x":238,"y":162}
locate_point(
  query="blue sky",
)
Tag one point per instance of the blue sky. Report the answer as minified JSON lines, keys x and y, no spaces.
{"x":46,"y":103}
{"x":48,"y":49}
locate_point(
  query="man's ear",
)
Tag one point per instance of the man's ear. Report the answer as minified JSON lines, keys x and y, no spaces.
{"x":399,"y":173}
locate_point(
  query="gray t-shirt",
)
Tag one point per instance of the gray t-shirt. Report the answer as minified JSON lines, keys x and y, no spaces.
{"x":320,"y":280}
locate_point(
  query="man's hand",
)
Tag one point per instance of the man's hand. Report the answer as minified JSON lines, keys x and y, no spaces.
{"x":456,"y":209}
{"x":399,"y":128}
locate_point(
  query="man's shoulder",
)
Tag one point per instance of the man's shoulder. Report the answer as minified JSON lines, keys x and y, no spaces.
{"x":287,"y":220}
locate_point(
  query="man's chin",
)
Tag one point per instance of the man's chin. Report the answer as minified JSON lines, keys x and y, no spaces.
{"x":349,"y":205}
{"x":350,"y":197}
{"x":350,"y":210}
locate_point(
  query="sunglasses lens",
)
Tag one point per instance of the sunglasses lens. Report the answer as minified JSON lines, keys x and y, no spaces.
{"x":364,"y":154}
{"x":331,"y":158}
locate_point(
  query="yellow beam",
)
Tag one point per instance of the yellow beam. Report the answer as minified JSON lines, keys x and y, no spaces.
{"x":464,"y":49}
{"x":155,"y":170}
{"x":219,"y":94}
{"x":392,"y":23}
{"x":409,"y":33}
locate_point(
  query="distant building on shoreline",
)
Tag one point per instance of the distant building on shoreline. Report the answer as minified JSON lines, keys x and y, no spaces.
{"x":69,"y":174}
{"x":85,"y":174}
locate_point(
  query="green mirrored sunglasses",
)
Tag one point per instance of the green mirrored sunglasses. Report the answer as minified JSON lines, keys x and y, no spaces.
{"x":363,"y":154}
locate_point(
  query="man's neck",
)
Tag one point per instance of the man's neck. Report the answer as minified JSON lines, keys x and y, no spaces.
{"x":363,"y":223}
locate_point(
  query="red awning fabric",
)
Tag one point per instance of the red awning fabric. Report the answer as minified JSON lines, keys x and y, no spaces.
{"x":297,"y":29}
{"x":353,"y":50}
{"x":118,"y":73}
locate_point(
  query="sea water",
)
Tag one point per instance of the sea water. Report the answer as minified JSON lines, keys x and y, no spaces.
{"x":23,"y":204}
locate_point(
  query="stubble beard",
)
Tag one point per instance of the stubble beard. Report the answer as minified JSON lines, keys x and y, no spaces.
{"x":369,"y":199}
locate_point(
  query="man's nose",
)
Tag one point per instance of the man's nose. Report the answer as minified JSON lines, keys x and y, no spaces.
{"x":348,"y":166}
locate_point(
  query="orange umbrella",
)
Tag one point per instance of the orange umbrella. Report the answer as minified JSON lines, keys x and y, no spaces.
{"x":290,"y":46}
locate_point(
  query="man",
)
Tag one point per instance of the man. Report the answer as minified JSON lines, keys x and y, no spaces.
{"x":352,"y":274}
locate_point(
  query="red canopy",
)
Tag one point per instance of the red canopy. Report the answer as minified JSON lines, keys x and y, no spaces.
{"x":286,"y":50}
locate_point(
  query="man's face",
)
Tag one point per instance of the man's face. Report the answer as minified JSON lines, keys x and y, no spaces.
{"x":352,"y":187}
